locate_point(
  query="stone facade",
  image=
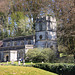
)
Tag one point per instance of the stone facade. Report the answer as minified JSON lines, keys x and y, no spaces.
{"x":14,"y":48}
{"x":46,"y":32}
{"x":45,"y":36}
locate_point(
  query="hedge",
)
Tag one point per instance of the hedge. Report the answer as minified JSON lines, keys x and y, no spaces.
{"x":60,"y":69}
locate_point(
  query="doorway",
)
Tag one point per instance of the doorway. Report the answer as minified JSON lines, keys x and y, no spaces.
{"x":7,"y":58}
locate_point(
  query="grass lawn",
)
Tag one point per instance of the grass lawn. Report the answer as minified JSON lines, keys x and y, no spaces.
{"x":20,"y":70}
{"x":9,"y":63}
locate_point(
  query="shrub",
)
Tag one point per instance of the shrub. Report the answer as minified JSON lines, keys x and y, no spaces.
{"x":32,"y":54}
{"x":39,"y":55}
{"x":61,"y":69}
{"x":65,"y":59}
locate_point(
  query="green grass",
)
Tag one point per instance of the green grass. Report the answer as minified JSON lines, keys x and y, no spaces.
{"x":20,"y":70}
{"x":16,"y":63}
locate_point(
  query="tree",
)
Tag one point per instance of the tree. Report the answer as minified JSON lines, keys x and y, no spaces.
{"x":4,"y":6}
{"x":48,"y":55}
{"x":64,"y":11}
{"x":32,"y":54}
{"x":16,"y":24}
{"x":28,"y":7}
{"x":39,"y":55}
{"x":22,"y":24}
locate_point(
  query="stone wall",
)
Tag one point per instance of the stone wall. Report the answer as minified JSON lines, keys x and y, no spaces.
{"x":46,"y":31}
{"x":13,"y":55}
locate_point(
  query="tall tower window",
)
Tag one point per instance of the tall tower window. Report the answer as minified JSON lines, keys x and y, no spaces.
{"x":40,"y":27}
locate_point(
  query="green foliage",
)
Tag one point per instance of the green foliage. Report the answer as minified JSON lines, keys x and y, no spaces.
{"x":61,"y":69}
{"x":62,"y":49}
{"x":16,"y":24}
{"x":39,"y":55}
{"x":65,"y":59}
{"x":48,"y":54}
{"x":23,"y":23}
{"x":67,"y":45}
{"x":17,"y":16}
{"x":32,"y":54}
{"x":66,"y":53}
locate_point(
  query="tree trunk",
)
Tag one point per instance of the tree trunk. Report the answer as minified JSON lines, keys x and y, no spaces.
{"x":74,"y":58}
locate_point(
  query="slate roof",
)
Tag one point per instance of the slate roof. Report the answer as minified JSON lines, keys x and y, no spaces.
{"x":19,"y":38}
{"x":12,"y":48}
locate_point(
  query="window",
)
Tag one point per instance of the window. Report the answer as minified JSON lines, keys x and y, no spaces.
{"x":40,"y":37}
{"x":22,"y":42}
{"x":15,"y":43}
{"x":43,"y":26}
{"x":40,"y":27}
{"x":8,"y":44}
{"x":51,"y":47}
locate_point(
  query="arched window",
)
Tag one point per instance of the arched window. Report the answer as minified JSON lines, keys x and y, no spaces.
{"x":22,"y":42}
{"x":8,"y":44}
{"x":15,"y":43}
{"x":40,"y":37}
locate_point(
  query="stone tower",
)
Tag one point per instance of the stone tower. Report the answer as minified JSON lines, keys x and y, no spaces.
{"x":45,"y":32}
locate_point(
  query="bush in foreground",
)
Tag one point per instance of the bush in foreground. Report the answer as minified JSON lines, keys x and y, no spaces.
{"x":61,"y":69}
